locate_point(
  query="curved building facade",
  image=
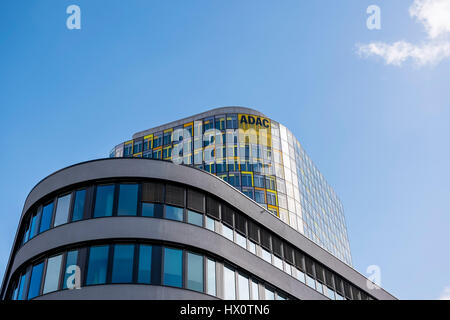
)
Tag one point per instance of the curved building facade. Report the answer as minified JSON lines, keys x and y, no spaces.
{"x":261,"y":158}
{"x":134,"y":228}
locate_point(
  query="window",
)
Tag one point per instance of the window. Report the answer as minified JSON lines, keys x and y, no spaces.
{"x":229,"y":284}
{"x":255,"y":290}
{"x":62,"y":210}
{"x":71,"y":260}
{"x":78,"y":207}
{"x":310,"y":282}
{"x":227,"y":232}
{"x":259,"y":196}
{"x":173,"y":267}
{"x":269,"y":294}
{"x":46,"y":218}
{"x":212,"y":207}
{"x":211,"y":280}
{"x":241,"y":240}
{"x":246,"y":180}
{"x":97,"y":265}
{"x":152,"y":210}
{"x":210,"y":224}
{"x":271,"y":198}
{"x":137,"y":147}
{"x":104,"y":201}
{"x":145,"y":264}
{"x":153,"y":192}
{"x":20,"y":293}
{"x":266,"y":255}
{"x":259,"y":181}
{"x":243,"y":285}
{"x":128,"y":198}
{"x":34,"y":224}
{"x":35,"y":281}
{"x":252,"y":247}
{"x":195,"y":201}
{"x":195,"y":218}
{"x":195,"y":272}
{"x":52,"y":274}
{"x":122,"y":269}
{"x":174,"y":213}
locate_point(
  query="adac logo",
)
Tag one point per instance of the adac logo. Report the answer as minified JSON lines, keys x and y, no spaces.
{"x":248,"y":119}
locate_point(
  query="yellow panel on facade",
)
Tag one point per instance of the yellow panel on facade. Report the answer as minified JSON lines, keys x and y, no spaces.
{"x":254,"y":129}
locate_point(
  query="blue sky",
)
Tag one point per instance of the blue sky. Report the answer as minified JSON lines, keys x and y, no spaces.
{"x":378,"y":132}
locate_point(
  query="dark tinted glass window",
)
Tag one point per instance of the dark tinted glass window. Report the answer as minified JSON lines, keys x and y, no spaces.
{"x":288,"y":253}
{"x":104,"y":201}
{"x":145,"y":264}
{"x":78,"y":207}
{"x":175,"y":195}
{"x":34,"y":225}
{"x":35,"y":281}
{"x":212,"y":207}
{"x":319,"y":273}
{"x":20,"y":293}
{"x":227,"y":216}
{"x":253,"y":231}
{"x":97,"y":265}
{"x":173,"y":267}
{"x":239,"y":223}
{"x":195,"y":200}
{"x":265,"y":239}
{"x":156,"y":264}
{"x":152,"y":210}
{"x":128,"y":199}
{"x":276,"y":246}
{"x":122,"y":269}
{"x":309,"y":266}
{"x":299,"y":260}
{"x":46,"y":218}
{"x":153,"y":192}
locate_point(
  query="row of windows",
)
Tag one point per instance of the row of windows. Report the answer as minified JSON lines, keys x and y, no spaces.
{"x":174,"y":202}
{"x":139,"y":263}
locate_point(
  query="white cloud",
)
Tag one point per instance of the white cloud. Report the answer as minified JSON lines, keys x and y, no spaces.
{"x":433,"y":14}
{"x":435,"y":17}
{"x":445,"y":294}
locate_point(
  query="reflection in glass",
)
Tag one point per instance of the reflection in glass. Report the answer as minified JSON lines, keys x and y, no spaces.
{"x":122,"y":269}
{"x":52,"y":274}
{"x":173,"y":267}
{"x":97,"y":265}
{"x":104,"y":201}
{"x":195,"y":272}
{"x":128,"y":198}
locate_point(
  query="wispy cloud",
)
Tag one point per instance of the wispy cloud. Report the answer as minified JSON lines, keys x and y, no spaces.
{"x":445,"y":294}
{"x":434,"y":15}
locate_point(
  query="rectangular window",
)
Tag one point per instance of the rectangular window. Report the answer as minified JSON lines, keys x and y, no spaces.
{"x":173,"y":267}
{"x":227,"y":232}
{"x":97,"y":265}
{"x":195,"y":200}
{"x":259,"y":196}
{"x":52,"y":274}
{"x":247,"y":180}
{"x":35,"y":281}
{"x":34,"y":228}
{"x":229,"y":284}
{"x":195,"y":218}
{"x":154,"y":210}
{"x":128,"y":199}
{"x":46,"y":218}
{"x":20,"y":293}
{"x":145,"y":264}
{"x":62,"y":210}
{"x":78,"y":207}
{"x":71,"y":262}
{"x":243,"y":285}
{"x":266,"y":255}
{"x":255,"y":290}
{"x":210,"y":224}
{"x":195,"y":272}
{"x":241,"y":240}
{"x":212,"y":207}
{"x":252,"y":247}
{"x":153,"y":192}
{"x":211,"y":273}
{"x":269,"y":294}
{"x":174,"y":213}
{"x":104,"y":201}
{"x":310,"y":282}
{"x":122,"y":269}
